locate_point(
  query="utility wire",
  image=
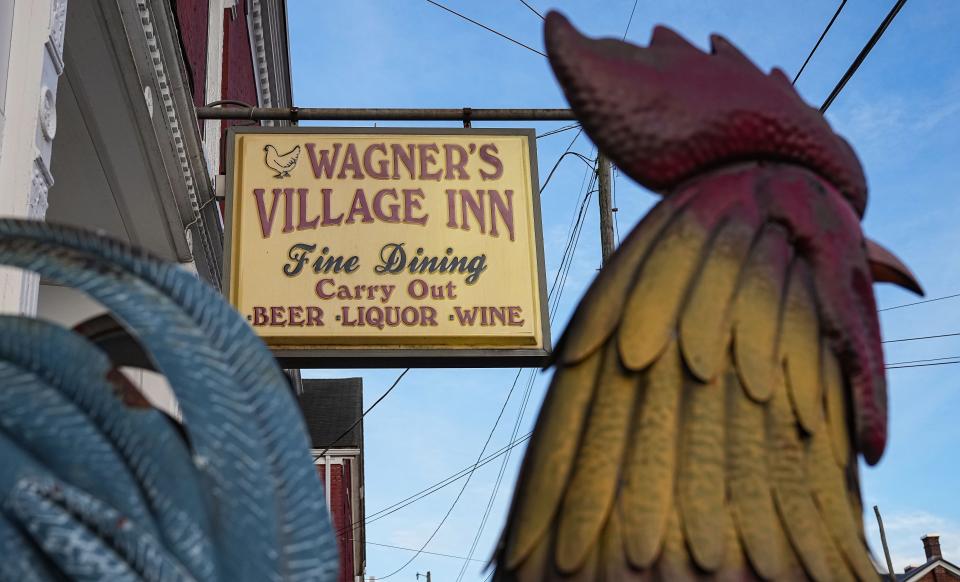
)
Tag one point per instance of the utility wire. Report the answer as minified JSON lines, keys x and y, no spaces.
{"x":925,"y":337}
{"x":365,"y":412}
{"x":559,"y":130}
{"x":922,"y":365}
{"x":517,"y":442}
{"x":499,"y":416}
{"x":560,"y":159}
{"x":920,"y":302}
{"x":579,"y":228}
{"x":819,"y":40}
{"x":499,"y":480}
{"x":529,"y":388}
{"x":431,"y":553}
{"x":863,"y":54}
{"x":560,"y":274}
{"x":924,"y":360}
{"x":435,"y":487}
{"x":630,"y":20}
{"x":485,"y":27}
{"x":463,"y":488}
{"x":532,"y":9}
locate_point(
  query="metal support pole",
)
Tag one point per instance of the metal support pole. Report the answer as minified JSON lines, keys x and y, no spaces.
{"x":606,"y":208}
{"x":463,"y":114}
{"x":886,"y":550}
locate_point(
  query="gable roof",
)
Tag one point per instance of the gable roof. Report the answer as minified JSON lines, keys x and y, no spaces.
{"x":920,"y":571}
{"x":330,"y":407}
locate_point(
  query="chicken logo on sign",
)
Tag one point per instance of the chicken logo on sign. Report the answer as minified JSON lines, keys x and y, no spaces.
{"x":282,"y":164}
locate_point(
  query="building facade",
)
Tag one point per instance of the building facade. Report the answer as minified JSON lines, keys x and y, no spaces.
{"x":98,"y":129}
{"x":331,"y":409}
{"x":935,"y":569}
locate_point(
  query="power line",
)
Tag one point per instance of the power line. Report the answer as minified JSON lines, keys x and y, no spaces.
{"x":435,"y":487}
{"x":863,"y":54}
{"x":569,"y":253}
{"x":476,"y":464}
{"x":920,"y":302}
{"x":556,"y":165}
{"x":924,"y":360}
{"x":819,"y":40}
{"x":431,"y":553}
{"x":465,"y":483}
{"x":559,"y":130}
{"x":485,"y":27}
{"x":925,"y":337}
{"x":560,"y":274}
{"x":365,"y":412}
{"x":500,"y":474}
{"x":532,"y":9}
{"x":923,"y":365}
{"x":513,"y":444}
{"x":630,"y":20}
{"x":499,"y":480}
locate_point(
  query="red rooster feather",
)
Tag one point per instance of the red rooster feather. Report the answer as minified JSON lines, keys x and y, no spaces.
{"x":720,"y":378}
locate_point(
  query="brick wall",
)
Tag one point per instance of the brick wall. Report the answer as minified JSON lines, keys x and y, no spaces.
{"x":192,"y":17}
{"x":939,"y":574}
{"x":239,"y":82}
{"x":341,"y":514}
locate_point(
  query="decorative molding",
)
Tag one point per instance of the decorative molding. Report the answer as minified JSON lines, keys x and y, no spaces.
{"x":259,"y":45}
{"x":40,"y":183}
{"x":167,"y":108}
{"x":41,"y":180}
{"x":148,"y":98}
{"x":58,"y":23}
{"x":213,"y":84}
{"x":47,"y":115}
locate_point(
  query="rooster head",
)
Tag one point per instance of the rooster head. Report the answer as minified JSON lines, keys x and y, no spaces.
{"x":668,"y":112}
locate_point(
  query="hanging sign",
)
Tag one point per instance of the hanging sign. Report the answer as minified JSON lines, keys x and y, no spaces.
{"x":388,"y":247}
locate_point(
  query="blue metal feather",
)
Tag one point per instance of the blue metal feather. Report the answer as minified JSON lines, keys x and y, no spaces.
{"x":21,"y":560}
{"x":150,"y":447}
{"x":87,"y":539}
{"x":269,"y":518}
{"x":60,"y":437}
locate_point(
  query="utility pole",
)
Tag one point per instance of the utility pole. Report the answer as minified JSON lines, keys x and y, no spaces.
{"x":606,"y":207}
{"x":886,"y":550}
{"x":427,"y":575}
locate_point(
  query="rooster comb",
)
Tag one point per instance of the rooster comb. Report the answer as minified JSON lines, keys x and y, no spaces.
{"x":668,"y":112}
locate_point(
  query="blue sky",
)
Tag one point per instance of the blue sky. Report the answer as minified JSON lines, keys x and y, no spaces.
{"x":901,"y":112}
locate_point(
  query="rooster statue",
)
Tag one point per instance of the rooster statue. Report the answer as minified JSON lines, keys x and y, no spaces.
{"x":93,"y":489}
{"x":720,"y":378}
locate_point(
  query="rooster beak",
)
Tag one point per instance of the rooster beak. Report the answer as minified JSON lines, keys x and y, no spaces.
{"x":887,"y":268}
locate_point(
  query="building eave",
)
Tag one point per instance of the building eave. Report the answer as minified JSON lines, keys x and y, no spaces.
{"x":919,"y":573}
{"x":153,"y":42}
{"x":271,"y":52}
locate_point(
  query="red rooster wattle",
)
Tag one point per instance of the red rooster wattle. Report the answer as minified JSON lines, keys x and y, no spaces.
{"x":720,"y":378}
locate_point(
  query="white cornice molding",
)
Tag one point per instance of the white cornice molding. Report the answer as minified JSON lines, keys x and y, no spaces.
{"x":164,"y":70}
{"x":167,"y":105}
{"x":258,"y":46}
{"x":213,"y":84}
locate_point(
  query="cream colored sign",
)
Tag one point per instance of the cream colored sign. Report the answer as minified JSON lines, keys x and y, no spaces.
{"x":381,"y":239}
